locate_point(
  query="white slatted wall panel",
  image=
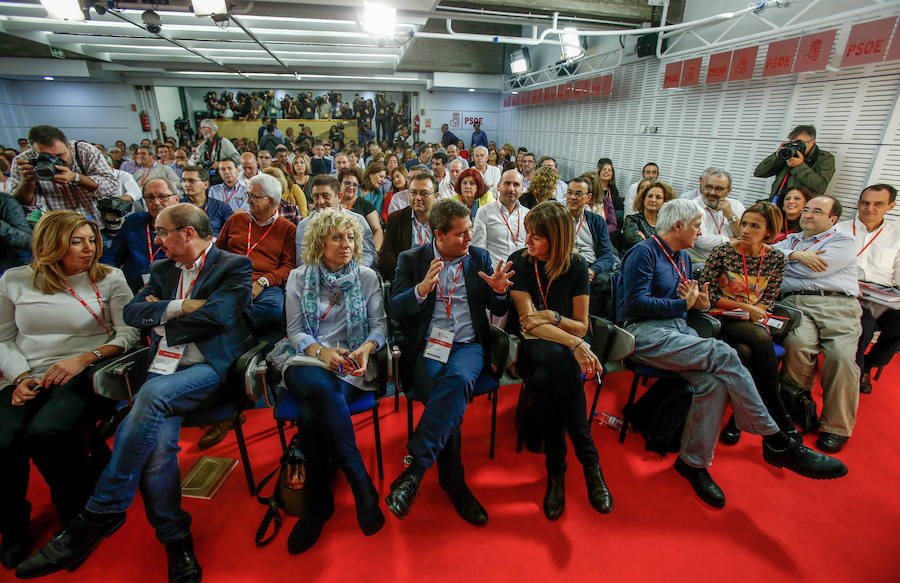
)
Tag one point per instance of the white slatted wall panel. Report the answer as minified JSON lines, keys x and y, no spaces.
{"x":732,"y":125}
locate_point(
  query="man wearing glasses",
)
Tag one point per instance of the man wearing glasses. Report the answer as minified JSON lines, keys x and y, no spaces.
{"x":820,"y":280}
{"x":195,"y":181}
{"x":135,"y":248}
{"x":812,"y":166}
{"x":721,"y":217}
{"x":408,"y":227}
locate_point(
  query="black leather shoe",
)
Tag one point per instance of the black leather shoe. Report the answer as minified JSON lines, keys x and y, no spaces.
{"x":70,"y":547}
{"x":14,"y":548}
{"x":217,"y":433}
{"x":305,"y":533}
{"x":368,"y":514}
{"x":865,"y":383}
{"x":831,"y":443}
{"x":403,"y":492}
{"x":598,"y":492}
{"x":183,"y":564}
{"x":466,"y":504}
{"x":805,"y":462}
{"x":555,"y":497}
{"x":730,"y":435}
{"x":703,"y":484}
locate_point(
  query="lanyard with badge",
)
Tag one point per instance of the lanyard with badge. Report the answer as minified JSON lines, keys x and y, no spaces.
{"x":258,"y":241}
{"x":680,"y":272}
{"x":872,"y":240}
{"x":168,"y":357}
{"x":100,"y":319}
{"x":747,"y":275}
{"x":145,"y":277}
{"x":509,"y":228}
{"x":441,"y":341}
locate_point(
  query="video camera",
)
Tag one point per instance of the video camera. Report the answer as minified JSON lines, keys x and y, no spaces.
{"x":45,"y":166}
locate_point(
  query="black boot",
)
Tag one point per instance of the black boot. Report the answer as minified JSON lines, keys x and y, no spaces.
{"x":555,"y":496}
{"x":368,"y":514}
{"x":598,"y":492}
{"x":452,"y":479}
{"x":183,"y":564}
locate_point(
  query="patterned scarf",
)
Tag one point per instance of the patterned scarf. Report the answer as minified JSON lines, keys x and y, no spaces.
{"x":342,"y":286}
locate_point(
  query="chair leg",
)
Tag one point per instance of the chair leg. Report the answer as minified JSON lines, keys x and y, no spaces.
{"x":409,"y":418}
{"x":494,"y":398}
{"x":878,"y":372}
{"x":280,"y":424}
{"x":245,"y":459}
{"x":596,"y":397}
{"x":377,"y":428}
{"x":626,"y":415}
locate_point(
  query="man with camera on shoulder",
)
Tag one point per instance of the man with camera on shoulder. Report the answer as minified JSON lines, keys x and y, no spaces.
{"x":54,"y":173}
{"x":797,"y":162}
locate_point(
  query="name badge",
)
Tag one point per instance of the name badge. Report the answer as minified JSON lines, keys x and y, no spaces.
{"x":772,"y":321}
{"x":167,"y":357}
{"x":145,"y":278}
{"x":439,"y":345}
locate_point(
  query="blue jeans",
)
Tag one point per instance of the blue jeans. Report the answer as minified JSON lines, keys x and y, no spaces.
{"x":716,"y":376}
{"x":327,"y":396}
{"x":267,"y":310}
{"x":146,"y":449}
{"x":445,"y":389}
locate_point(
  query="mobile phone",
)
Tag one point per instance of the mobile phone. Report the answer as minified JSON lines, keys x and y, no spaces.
{"x":351,"y":360}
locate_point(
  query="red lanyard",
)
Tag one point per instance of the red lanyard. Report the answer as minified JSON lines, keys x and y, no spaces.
{"x":813,"y":243}
{"x":258,"y":241}
{"x":150,"y":250}
{"x":721,"y":224}
{"x":449,"y":300}
{"x":681,"y":272}
{"x":870,"y":241}
{"x":758,"y":272}
{"x":146,"y":176}
{"x":181,"y":293}
{"x":423,"y":239}
{"x":101,"y":321}
{"x":518,"y":222}
{"x":328,"y":309}
{"x":580,"y":223}
{"x":544,"y":296}
{"x":234,"y":190}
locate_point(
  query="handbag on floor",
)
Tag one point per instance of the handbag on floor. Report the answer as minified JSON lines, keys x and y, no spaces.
{"x":800,"y":406}
{"x":289,"y":493}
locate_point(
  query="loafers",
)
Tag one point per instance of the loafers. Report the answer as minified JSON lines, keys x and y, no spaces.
{"x":598,"y":493}
{"x":865,"y":383}
{"x":555,"y":497}
{"x":466,"y":504}
{"x":403,"y":492}
{"x":806,"y":462}
{"x":217,"y":433}
{"x":70,"y":547}
{"x":703,"y":484}
{"x":183,"y":564}
{"x":730,"y":435}
{"x":831,"y":443}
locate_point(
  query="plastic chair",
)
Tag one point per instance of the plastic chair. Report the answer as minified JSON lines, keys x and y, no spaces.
{"x":611,"y":344}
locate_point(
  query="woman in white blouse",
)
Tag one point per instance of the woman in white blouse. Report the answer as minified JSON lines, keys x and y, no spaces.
{"x":58,"y":315}
{"x":335,"y":317}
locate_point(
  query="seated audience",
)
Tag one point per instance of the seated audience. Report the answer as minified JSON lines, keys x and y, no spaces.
{"x":609,"y":191}
{"x":820,"y":280}
{"x":195,"y":302}
{"x":791,"y":206}
{"x":641,"y":225}
{"x":399,"y":183}
{"x":370,"y":185}
{"x":500,"y":226}
{"x":473,"y":192}
{"x":231,"y":192}
{"x":289,"y":192}
{"x":729,"y":271}
{"x":878,"y":261}
{"x":408,"y":228}
{"x":601,"y":204}
{"x":721,"y":217}
{"x":300,"y":166}
{"x":343,"y":341}
{"x":591,"y":241}
{"x":654,"y":294}
{"x":650,"y":170}
{"x":694,"y":192}
{"x":554,"y":356}
{"x":15,"y":233}
{"x":561,"y":185}
{"x":149,"y":168}
{"x":451,"y":177}
{"x":326,"y":194}
{"x":490,"y":174}
{"x":350,"y":180}
{"x":58,"y":316}
{"x":195,"y":181}
{"x":249,"y":168}
{"x":541,"y":188}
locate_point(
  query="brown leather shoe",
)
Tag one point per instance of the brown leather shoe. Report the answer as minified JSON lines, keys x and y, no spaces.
{"x":865,"y":383}
{"x":217,"y":433}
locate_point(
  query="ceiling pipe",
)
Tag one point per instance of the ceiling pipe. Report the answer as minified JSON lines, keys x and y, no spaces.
{"x":234,"y":19}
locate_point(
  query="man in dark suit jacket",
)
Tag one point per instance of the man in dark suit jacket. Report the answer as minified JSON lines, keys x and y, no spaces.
{"x":447,"y":345}
{"x":195,"y":302}
{"x":593,"y":244}
{"x":406,"y":230}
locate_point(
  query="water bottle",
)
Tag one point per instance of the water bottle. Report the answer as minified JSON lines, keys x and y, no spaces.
{"x":609,"y":420}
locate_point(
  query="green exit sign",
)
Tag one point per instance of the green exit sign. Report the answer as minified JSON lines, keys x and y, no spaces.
{"x":58,"y":53}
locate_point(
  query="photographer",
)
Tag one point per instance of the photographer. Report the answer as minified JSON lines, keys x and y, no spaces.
{"x":214,"y":147}
{"x":797,"y":162}
{"x":56,"y":174}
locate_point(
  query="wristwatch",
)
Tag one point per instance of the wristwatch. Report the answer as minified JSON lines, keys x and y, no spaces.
{"x":733,"y":219}
{"x":263,"y":282}
{"x":319,"y":351}
{"x":98,"y":354}
{"x":76,"y":179}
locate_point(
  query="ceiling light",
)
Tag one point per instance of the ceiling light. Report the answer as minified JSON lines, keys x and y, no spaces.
{"x":63,"y":9}
{"x":379,"y":19}
{"x":48,"y":78}
{"x":471,"y":91}
{"x":571,"y":47}
{"x":518,"y":62}
{"x":209,"y":7}
{"x":515,"y":92}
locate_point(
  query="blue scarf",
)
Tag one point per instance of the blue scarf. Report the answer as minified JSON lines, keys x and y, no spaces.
{"x":345,"y":286}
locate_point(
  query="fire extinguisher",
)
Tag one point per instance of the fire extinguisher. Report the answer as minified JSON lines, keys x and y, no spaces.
{"x":145,"y":121}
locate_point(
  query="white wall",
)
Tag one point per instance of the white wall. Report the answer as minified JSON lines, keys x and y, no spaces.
{"x":168,"y":105}
{"x":96,"y":112}
{"x":440,"y":107}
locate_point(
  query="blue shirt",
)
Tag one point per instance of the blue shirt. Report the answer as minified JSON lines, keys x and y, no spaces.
{"x":421,"y":233}
{"x":217,"y":211}
{"x":460,"y":319}
{"x":647,"y":286}
{"x":840,"y":253}
{"x":235,"y":197}
{"x":479,"y":138}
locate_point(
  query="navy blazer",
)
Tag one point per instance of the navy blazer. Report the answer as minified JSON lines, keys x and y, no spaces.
{"x":129,"y":249}
{"x":415,"y":318}
{"x":219,"y":328}
{"x":605,"y":259}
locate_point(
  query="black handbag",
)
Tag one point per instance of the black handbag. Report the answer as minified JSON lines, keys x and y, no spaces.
{"x":800,"y":406}
{"x":289,"y":493}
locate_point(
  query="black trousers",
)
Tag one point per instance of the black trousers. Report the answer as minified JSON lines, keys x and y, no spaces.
{"x":754,"y":347}
{"x":553,"y":375}
{"x":55,"y":431}
{"x":888,"y":341}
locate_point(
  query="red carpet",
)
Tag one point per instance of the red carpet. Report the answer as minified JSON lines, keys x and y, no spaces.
{"x":776,"y":526}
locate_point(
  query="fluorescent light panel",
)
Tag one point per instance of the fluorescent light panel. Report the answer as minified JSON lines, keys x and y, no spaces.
{"x":572,"y":47}
{"x":63,"y":9}
{"x":209,"y":7}
{"x":379,"y":19}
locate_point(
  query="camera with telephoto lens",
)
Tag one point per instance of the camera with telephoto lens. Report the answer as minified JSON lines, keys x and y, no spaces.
{"x":791,"y":149}
{"x":45,"y":166}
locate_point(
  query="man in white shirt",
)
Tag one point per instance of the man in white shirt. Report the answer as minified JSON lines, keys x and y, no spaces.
{"x":696,"y":192}
{"x":231,"y":192}
{"x":528,"y":164}
{"x":453,"y":154}
{"x":650,"y":170}
{"x":149,"y":168}
{"x":249,"y":168}
{"x":448,"y":184}
{"x":561,"y":185}
{"x":264,"y":159}
{"x":721,"y":217}
{"x":439,"y":168}
{"x":491,"y":174}
{"x":878,"y":262}
{"x":500,"y":226}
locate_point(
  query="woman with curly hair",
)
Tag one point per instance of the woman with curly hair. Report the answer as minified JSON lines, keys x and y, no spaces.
{"x":541,"y":188}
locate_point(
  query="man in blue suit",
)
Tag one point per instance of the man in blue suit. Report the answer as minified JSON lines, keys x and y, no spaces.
{"x":195,"y":302}
{"x":447,"y":343}
{"x":593,"y":244}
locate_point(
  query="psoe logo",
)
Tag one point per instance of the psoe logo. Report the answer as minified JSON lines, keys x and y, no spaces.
{"x":470,"y":119}
{"x":454,"y":120}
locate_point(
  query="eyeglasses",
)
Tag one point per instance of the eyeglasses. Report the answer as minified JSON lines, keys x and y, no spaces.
{"x":710,"y":188}
{"x":575,"y":193}
{"x":163,"y":232}
{"x":162,"y":197}
{"x":420,"y":194}
{"x":349,"y":184}
{"x":257,"y":196}
{"x":191,"y":180}
{"x":815,"y":212}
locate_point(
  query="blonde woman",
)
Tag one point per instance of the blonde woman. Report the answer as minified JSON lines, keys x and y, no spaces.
{"x":541,"y":188}
{"x":293,"y":201}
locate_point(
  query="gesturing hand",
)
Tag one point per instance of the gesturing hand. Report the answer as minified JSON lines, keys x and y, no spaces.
{"x":501,"y":278}
{"x":431,"y":277}
{"x":702,"y":302}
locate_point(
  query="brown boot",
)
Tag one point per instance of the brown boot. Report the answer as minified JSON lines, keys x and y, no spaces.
{"x":217,"y":433}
